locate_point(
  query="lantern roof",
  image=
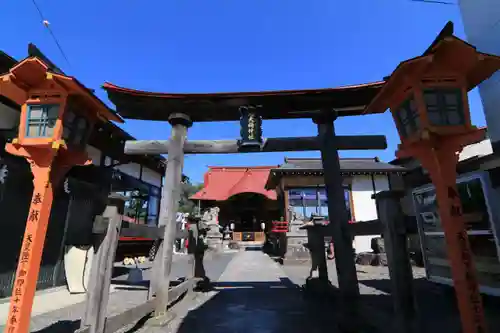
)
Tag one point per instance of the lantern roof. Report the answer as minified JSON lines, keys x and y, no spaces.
{"x":32,"y":71}
{"x":447,"y":54}
{"x":281,"y":104}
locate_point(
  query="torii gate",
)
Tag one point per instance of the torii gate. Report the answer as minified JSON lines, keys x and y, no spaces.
{"x":323,"y":106}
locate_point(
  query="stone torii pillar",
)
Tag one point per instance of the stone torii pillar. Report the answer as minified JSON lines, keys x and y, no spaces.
{"x":168,"y":209}
{"x":339,"y":222}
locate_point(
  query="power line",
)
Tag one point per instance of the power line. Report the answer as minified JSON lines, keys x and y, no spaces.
{"x":435,"y":2}
{"x":47,"y":25}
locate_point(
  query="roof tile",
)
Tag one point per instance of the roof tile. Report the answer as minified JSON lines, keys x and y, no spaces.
{"x":346,"y":164}
{"x":221,"y":183}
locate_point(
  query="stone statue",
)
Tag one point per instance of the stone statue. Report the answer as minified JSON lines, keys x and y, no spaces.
{"x":213,"y":235}
{"x":206,"y":216}
{"x":210,"y":216}
{"x":296,"y":238}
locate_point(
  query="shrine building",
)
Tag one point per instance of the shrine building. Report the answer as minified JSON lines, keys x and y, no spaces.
{"x":294,"y":190}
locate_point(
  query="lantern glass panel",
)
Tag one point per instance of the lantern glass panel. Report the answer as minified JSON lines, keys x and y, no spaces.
{"x":407,"y":118}
{"x":444,"y":106}
{"x":41,"y":120}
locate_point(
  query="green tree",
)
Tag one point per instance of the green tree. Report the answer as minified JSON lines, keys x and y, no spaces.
{"x":188,"y":189}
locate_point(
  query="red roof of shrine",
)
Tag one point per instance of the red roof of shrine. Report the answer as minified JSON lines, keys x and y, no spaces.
{"x":221,"y":183}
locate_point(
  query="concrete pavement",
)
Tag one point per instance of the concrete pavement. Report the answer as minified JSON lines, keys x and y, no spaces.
{"x":252,"y":295}
{"x":436,"y":303}
{"x":57,"y":311}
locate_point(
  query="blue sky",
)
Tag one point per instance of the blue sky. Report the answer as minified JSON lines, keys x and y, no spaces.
{"x":231,"y":45}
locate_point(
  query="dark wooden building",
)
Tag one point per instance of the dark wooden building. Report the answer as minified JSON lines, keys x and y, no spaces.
{"x":80,"y":197}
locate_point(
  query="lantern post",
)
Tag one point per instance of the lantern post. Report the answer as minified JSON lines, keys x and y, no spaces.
{"x":427,"y":96}
{"x":438,"y":153}
{"x":57,"y":116}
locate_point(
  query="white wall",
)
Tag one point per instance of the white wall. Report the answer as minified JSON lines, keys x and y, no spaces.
{"x":364,"y":206}
{"x":481,"y":148}
{"x":151,"y":177}
{"x":481,"y":19}
{"x":148,"y":176}
{"x":131,"y":169}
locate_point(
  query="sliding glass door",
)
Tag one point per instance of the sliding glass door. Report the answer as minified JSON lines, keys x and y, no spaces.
{"x":479,"y":229}
{"x":306,"y":201}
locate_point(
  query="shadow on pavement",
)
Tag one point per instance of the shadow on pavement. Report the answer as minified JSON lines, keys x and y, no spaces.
{"x":120,"y":271}
{"x":436,"y":303}
{"x":143,"y":283}
{"x":248,"y":307}
{"x":62,"y":326}
{"x":253,"y":248}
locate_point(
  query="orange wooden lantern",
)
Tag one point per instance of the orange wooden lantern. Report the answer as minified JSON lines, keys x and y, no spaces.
{"x":57,"y":116}
{"x":428,"y":100}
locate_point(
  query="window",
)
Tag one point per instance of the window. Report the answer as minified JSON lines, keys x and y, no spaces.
{"x":41,"y":120}
{"x":310,"y":200}
{"x":295,"y":201}
{"x":305,"y":202}
{"x":444,"y":106}
{"x":474,"y":205}
{"x":427,"y":210}
{"x":407,"y":118}
{"x":136,"y":207}
{"x":480,"y":234}
{"x":323,"y":202}
{"x":153,"y":210}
